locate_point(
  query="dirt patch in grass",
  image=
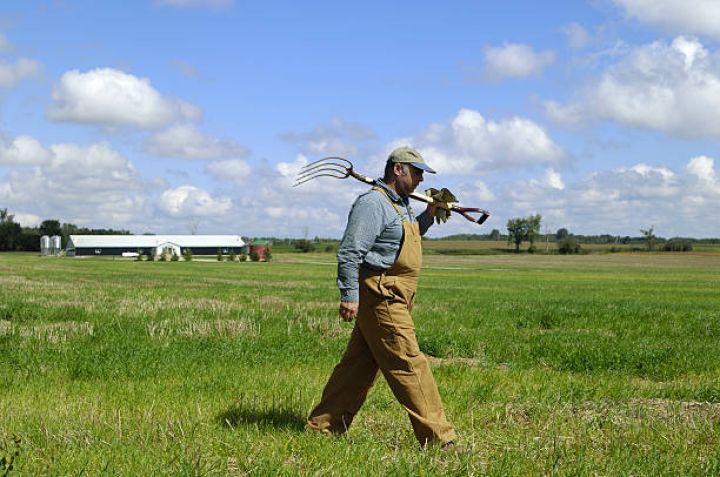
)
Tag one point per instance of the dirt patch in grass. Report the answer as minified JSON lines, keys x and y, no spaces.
{"x":455,"y":360}
{"x":187,"y":328}
{"x":51,"y":333}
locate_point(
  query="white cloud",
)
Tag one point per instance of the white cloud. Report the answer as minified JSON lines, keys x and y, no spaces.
{"x":12,"y":73}
{"x":566,"y":115}
{"x":79,"y":184}
{"x":674,"y":88}
{"x":621,"y":201}
{"x":553,"y":179}
{"x":339,"y":138}
{"x":210,"y":4}
{"x":702,"y":167}
{"x":186,"y":142}
{"x":700,"y":17}
{"x":188,"y":200}
{"x":23,"y":150}
{"x":577,"y":36}
{"x":27,"y":220}
{"x":477,"y":191}
{"x":513,"y":60}
{"x":106,"y":96}
{"x":91,"y":168}
{"x":470,"y":144}
{"x":235,"y":170}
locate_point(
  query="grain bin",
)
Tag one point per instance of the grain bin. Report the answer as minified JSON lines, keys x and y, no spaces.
{"x":44,"y":245}
{"x":55,"y":244}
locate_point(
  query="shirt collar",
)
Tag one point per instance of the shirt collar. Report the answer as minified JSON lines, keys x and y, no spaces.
{"x":394,"y":196}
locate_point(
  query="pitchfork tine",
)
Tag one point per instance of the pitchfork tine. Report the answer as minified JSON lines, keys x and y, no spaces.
{"x":325,"y":165}
{"x":305,"y":179}
{"x":340,"y":173}
{"x":330,"y":158}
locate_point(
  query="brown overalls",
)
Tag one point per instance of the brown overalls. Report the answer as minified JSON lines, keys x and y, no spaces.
{"x":384,"y":339}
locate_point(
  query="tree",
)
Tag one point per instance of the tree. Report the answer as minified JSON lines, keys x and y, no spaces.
{"x":494,"y":234}
{"x":304,"y":246}
{"x":568,"y":245}
{"x":50,"y":227}
{"x":533,"y":228}
{"x":650,"y":238}
{"x":10,"y":231}
{"x":561,"y":234}
{"x":523,"y":229}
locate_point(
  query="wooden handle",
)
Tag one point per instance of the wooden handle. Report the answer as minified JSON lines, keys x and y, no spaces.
{"x":464,"y":211}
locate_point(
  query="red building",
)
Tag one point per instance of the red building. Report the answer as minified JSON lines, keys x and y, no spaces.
{"x":260,"y":246}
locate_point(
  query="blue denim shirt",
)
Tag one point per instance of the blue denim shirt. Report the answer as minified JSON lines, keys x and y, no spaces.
{"x":373,"y":236}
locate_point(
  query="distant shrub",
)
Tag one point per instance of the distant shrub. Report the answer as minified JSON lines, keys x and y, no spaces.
{"x":243,"y":257}
{"x":329,"y":248}
{"x":187,"y":254}
{"x":304,"y":246}
{"x":174,"y":256}
{"x":268,"y":254}
{"x":151,"y":255}
{"x":532,"y":249}
{"x":139,"y":256}
{"x":219,"y":256}
{"x":678,"y":245}
{"x":254,"y":256}
{"x":232,"y":257}
{"x":568,"y":245}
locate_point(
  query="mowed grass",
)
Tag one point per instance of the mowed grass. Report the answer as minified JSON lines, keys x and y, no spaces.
{"x":548,"y":365}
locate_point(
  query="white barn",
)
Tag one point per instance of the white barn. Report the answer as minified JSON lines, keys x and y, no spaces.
{"x":116,"y":245}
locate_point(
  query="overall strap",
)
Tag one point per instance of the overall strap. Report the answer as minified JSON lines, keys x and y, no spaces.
{"x":395,"y":206}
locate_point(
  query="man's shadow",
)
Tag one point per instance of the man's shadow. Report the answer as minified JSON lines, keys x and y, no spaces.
{"x":268,"y":417}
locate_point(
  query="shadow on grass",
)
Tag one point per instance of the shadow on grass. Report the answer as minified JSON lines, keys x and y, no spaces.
{"x":247,"y":414}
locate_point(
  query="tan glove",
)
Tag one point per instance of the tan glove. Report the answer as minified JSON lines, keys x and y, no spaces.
{"x":443,"y":199}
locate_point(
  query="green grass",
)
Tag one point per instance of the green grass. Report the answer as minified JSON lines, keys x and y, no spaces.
{"x":598,"y":364}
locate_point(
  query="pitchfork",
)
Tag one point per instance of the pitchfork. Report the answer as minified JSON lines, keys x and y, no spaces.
{"x":341,"y":168}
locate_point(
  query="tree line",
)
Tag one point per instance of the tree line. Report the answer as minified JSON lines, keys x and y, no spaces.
{"x":527,"y":229}
{"x":14,"y":237}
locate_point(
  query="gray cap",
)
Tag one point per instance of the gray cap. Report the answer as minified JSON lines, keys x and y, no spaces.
{"x":408,"y":155}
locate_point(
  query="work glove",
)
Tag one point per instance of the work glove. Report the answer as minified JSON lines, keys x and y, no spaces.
{"x":443,"y":199}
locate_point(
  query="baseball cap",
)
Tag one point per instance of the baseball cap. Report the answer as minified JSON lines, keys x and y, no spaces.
{"x":408,"y":155}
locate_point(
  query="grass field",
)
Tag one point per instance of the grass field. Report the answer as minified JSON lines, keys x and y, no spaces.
{"x":603,"y":364}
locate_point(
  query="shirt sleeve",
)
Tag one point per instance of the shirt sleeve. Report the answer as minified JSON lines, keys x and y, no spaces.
{"x":425,"y":221}
{"x":365,"y":223}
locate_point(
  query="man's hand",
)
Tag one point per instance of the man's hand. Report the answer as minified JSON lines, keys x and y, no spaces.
{"x":348,"y":310}
{"x":442,"y":203}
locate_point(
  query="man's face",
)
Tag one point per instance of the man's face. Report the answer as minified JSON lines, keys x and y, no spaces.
{"x":408,"y":178}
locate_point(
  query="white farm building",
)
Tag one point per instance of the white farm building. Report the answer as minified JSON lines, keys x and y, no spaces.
{"x":99,"y":245}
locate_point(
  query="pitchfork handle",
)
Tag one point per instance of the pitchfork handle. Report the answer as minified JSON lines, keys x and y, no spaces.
{"x":464,"y":211}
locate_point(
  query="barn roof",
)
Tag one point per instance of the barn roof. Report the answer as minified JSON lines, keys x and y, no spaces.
{"x":139,"y":241}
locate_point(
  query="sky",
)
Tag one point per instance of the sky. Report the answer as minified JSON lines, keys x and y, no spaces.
{"x":182,"y":116}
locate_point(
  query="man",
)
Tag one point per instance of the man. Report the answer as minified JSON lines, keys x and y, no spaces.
{"x":379,"y":262}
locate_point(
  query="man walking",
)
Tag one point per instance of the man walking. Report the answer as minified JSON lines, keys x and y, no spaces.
{"x":379,"y":262}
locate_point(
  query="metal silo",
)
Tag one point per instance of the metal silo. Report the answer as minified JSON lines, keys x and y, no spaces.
{"x":55,"y":244}
{"x":44,"y":245}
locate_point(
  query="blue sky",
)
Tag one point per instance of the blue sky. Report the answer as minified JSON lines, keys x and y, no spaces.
{"x":167,"y":115}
